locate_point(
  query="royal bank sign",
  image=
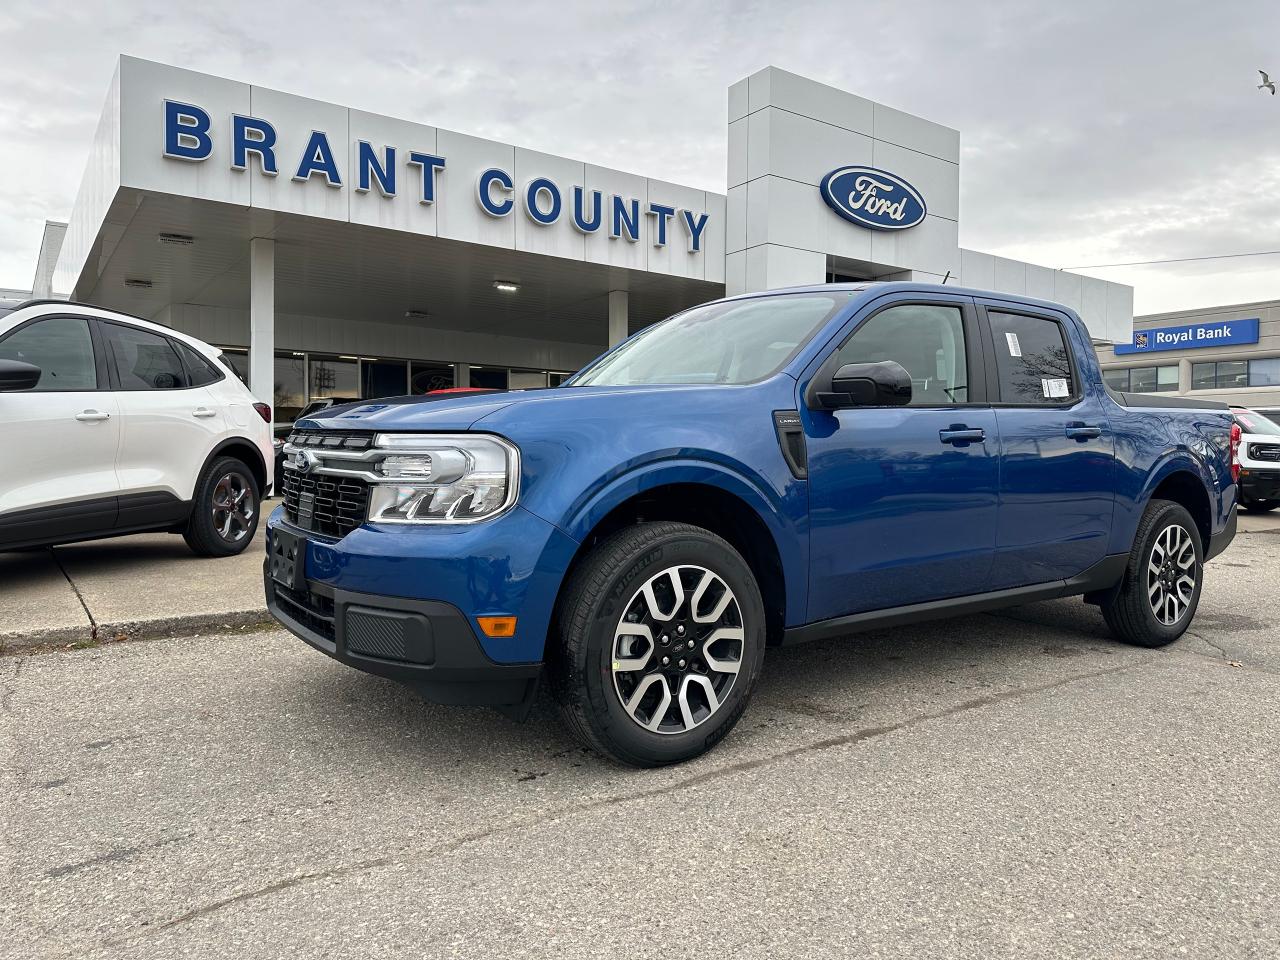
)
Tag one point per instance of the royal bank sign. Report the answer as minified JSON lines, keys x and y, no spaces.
{"x":873,"y":198}
{"x":395,"y":169}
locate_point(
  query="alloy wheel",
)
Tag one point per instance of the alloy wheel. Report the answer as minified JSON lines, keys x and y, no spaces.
{"x":1171,"y":574}
{"x":677,"y":649}
{"x":233,"y":507}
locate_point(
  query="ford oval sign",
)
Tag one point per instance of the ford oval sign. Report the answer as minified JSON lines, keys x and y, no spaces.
{"x":873,"y":198}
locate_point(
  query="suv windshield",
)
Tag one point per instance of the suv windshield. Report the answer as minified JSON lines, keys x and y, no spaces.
{"x":739,"y":341}
{"x":1251,"y":422}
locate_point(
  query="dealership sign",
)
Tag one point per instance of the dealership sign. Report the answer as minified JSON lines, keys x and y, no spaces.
{"x":1219,"y":334}
{"x":873,"y":198}
{"x":189,"y":136}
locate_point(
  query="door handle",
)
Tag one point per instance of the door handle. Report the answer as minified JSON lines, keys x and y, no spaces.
{"x":1081,"y":432}
{"x":961,"y":435}
{"x":202,"y":412}
{"x":90,"y":416}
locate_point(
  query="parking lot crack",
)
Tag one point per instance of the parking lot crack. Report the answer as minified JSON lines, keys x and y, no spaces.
{"x":443,"y":848}
{"x":93,"y":624}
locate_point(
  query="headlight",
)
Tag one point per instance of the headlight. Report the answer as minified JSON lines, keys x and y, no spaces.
{"x":455,"y":478}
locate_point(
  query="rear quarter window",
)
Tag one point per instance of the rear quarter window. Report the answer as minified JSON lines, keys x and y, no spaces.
{"x":1033,"y":364}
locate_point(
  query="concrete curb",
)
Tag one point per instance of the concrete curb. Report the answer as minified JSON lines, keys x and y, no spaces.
{"x":180,"y":626}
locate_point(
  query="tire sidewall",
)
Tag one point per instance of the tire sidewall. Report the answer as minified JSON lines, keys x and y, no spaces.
{"x":596,"y":654}
{"x":211,"y":540}
{"x":1167,"y":515}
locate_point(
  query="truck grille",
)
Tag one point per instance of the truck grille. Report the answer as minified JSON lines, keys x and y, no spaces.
{"x":328,"y":505}
{"x":1265,"y":451}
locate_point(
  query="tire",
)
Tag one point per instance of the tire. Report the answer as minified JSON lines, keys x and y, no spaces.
{"x":591,"y":641}
{"x":1168,"y":540}
{"x":224,"y":509}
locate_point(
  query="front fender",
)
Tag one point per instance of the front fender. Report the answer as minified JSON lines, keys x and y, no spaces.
{"x":783,"y":513}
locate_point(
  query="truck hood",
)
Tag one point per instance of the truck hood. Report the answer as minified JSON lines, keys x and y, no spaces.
{"x":448,"y":412}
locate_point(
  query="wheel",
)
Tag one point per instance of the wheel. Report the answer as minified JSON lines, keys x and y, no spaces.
{"x":1158,"y":595}
{"x":660,"y":637}
{"x":224,"y":509}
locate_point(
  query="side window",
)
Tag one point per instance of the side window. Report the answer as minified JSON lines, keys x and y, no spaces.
{"x":61,"y":347}
{"x":143,"y":360}
{"x":1032,"y":362}
{"x":928,"y":340}
{"x":200,"y":370}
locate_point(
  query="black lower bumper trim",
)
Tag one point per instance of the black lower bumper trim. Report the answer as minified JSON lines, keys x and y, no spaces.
{"x":1260,"y":485}
{"x":1222,"y":539}
{"x":427,"y":644}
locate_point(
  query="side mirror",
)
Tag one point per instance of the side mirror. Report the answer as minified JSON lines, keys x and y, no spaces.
{"x":884,"y":383}
{"x":16,"y":375}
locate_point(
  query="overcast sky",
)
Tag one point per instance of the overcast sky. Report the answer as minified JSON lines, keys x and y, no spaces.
{"x":1091,"y":132}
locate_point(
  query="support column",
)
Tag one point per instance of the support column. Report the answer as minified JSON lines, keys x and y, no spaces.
{"x":1184,"y":376}
{"x":619,"y":318}
{"x":262,"y":320}
{"x":462,"y":374}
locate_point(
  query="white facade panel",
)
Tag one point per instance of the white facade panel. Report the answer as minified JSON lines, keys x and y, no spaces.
{"x":933,"y":246}
{"x":406,"y":209}
{"x":1040,"y":282}
{"x":714,"y":246}
{"x":1010,"y":276}
{"x":558,"y":239}
{"x":1067,"y":289}
{"x":916,"y":133}
{"x":674,"y":257}
{"x":735,"y":219}
{"x":977,"y":269}
{"x":807,"y":150}
{"x":810,"y":98}
{"x":306,"y":131}
{"x":618,"y":251}
{"x":738,"y":152}
{"x":458,"y":217}
{"x":738,"y":101}
{"x":938,"y":180}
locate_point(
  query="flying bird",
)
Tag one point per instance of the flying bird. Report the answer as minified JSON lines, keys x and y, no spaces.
{"x":1267,"y":83}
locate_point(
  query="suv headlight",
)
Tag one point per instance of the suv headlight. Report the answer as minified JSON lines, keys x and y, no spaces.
{"x":443,"y":478}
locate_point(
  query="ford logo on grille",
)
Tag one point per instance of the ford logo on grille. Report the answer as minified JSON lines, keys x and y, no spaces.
{"x":305,"y":461}
{"x":873,"y":198}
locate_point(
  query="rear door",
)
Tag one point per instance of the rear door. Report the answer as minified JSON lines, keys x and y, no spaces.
{"x":58,"y":466}
{"x":1057,"y":482}
{"x":168,"y":426}
{"x":902,"y":500}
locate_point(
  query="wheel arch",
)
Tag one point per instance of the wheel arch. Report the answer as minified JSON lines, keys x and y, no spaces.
{"x":246,"y":452}
{"x":1182,"y":483}
{"x":717,"y":501}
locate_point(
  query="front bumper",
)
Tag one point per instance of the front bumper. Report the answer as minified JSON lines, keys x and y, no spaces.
{"x":1256,"y":484}
{"x":427,"y":644}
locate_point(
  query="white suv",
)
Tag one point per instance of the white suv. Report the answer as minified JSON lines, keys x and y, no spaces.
{"x":110,"y":425}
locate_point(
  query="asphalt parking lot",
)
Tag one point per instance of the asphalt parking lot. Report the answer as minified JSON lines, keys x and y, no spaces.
{"x":1011,"y":785}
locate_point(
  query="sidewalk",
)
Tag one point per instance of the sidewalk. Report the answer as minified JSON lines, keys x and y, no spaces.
{"x":129,"y":587}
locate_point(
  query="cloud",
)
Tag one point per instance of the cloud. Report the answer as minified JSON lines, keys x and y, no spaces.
{"x":1092,"y":132}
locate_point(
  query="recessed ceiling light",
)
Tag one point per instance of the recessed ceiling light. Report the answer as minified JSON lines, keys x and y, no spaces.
{"x":343,"y":357}
{"x":506,"y":286}
{"x":136,"y":284}
{"x":181,"y":239}
{"x":415,"y":315}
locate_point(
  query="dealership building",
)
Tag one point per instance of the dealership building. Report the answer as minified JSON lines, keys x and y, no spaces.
{"x":1230,"y":354}
{"x":333,"y":252}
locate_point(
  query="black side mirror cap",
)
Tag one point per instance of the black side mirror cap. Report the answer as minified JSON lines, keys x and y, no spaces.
{"x":884,"y":383}
{"x":16,"y":375}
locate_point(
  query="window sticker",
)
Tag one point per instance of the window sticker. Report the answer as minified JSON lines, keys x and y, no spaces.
{"x":1055,"y":387}
{"x":1015,"y":348}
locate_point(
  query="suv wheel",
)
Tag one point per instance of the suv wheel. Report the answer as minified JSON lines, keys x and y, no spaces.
{"x":224,"y":510}
{"x":661,"y":639}
{"x":1157,"y":598}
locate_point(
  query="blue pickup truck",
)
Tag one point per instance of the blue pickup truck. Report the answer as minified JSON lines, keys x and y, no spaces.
{"x":761,"y":470}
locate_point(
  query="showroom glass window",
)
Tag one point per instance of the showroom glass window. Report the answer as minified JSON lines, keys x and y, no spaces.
{"x":337,"y":379}
{"x":489,"y":378}
{"x":383,"y":378}
{"x":1234,"y":374}
{"x":61,"y":347}
{"x":1264,"y":373}
{"x":1154,"y":379}
{"x":143,"y":360}
{"x":425,"y":377}
{"x":289,"y":393}
{"x":926,"y":339}
{"x":1032,"y":362}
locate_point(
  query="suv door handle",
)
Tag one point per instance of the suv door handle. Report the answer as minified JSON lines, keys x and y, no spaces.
{"x":1081,"y":432}
{"x":961,"y":435}
{"x":202,"y":412}
{"x":89,"y":416}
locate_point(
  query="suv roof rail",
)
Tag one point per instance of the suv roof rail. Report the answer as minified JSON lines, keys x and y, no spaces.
{"x":77,"y":303}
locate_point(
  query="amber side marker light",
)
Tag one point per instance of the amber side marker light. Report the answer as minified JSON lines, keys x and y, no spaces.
{"x":498,"y":627}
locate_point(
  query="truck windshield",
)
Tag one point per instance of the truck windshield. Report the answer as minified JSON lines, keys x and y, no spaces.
{"x":1251,"y":422}
{"x":739,"y":341}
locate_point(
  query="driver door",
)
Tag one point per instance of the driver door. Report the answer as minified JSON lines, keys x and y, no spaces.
{"x":903,"y":500}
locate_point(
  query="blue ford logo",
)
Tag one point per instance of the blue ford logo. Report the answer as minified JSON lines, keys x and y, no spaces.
{"x":873,"y":198}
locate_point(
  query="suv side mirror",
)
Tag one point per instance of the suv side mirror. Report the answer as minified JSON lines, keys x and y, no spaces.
{"x":16,"y":375}
{"x":884,"y":383}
